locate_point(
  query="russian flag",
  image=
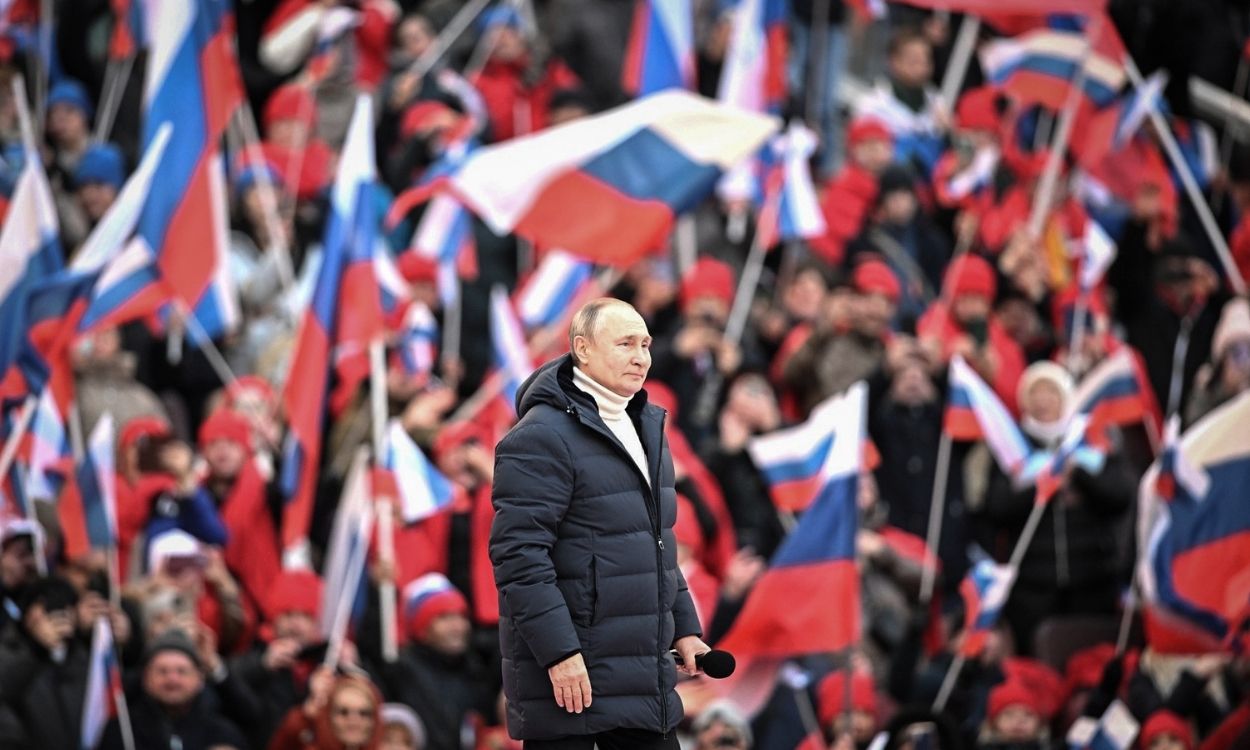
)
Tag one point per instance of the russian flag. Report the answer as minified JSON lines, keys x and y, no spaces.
{"x":793,"y":459}
{"x":974,"y":412}
{"x":625,"y":174}
{"x":660,"y":51}
{"x":31,"y":249}
{"x":88,"y":510}
{"x":984,"y":591}
{"x":104,"y":683}
{"x":49,"y":449}
{"x":992,"y":7}
{"x":345,"y":313}
{"x":1114,"y":730}
{"x":129,"y":34}
{"x":445,"y":235}
{"x":192,"y":82}
{"x":1039,"y":66}
{"x":1194,"y":534}
{"x":347,"y":553}
{"x":417,"y":349}
{"x":1098,"y":253}
{"x":790,"y":210}
{"x":550,"y":291}
{"x":1116,"y":392}
{"x":1076,"y":446}
{"x":423,"y":491}
{"x":333,"y":24}
{"x":512,"y":355}
{"x":807,"y":601}
{"x":973,"y":179}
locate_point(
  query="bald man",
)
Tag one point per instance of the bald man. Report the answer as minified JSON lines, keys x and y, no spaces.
{"x":591,"y":600}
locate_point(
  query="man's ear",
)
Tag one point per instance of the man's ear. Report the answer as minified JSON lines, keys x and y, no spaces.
{"x":579,"y":350}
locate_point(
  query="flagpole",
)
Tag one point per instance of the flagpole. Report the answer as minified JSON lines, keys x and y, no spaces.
{"x":937,"y":504}
{"x":1050,"y":175}
{"x":269,"y":206}
{"x":686,"y":243}
{"x":386,"y":508}
{"x":355,"y":562}
{"x":44,"y":79}
{"x":1126,"y":620}
{"x":214,"y":356}
{"x":453,"y":317}
{"x":1226,"y":138}
{"x":114,"y":91}
{"x":450,"y":33}
{"x":961,"y":57}
{"x":1076,"y":360}
{"x":818,"y":53}
{"x":1203,"y":210}
{"x":11,"y":445}
{"x":119,"y":695}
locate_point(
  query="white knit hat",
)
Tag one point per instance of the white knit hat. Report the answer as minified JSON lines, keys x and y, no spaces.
{"x":1234,"y":326}
{"x":1045,"y":370}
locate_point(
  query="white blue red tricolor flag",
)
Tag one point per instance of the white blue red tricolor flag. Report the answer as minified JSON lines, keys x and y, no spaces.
{"x":422,"y":489}
{"x":546,"y":296}
{"x":974,"y":412}
{"x":984,"y":592}
{"x":660,"y":51}
{"x":348,"y":552}
{"x":790,"y":210}
{"x":87,"y":509}
{"x":1114,"y":730}
{"x":794,"y":460}
{"x":104,"y":683}
{"x":511,"y":354}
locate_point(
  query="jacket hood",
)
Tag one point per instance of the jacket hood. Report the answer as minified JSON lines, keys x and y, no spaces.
{"x":552,"y":384}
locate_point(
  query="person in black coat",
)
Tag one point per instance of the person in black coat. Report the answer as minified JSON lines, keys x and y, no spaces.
{"x":437,"y":675}
{"x":1073,"y":563}
{"x":585,"y":559}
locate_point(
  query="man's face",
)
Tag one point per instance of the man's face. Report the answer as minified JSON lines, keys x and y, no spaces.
{"x":873,"y":155}
{"x":1017,"y":724}
{"x":67,"y":124}
{"x":298,"y":626}
{"x":970,"y":307}
{"x":414,"y":36}
{"x":172,"y":679}
{"x":17,"y":563}
{"x":449,"y":634}
{"x":618,"y":353}
{"x":96,"y":197}
{"x":875,"y":313}
{"x":509,"y":43}
{"x":225,"y":459}
{"x":898,"y":207}
{"x":912,"y":64}
{"x":805,"y":295}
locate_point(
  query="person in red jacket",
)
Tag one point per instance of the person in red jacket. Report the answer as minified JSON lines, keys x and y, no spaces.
{"x":849,"y":196}
{"x":965,"y":326}
{"x":516,"y":85}
{"x":304,"y":162}
{"x":835,"y":724}
{"x":341,"y":713}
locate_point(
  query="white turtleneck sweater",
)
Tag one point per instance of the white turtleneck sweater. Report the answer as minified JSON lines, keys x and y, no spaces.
{"x":612,"y":411}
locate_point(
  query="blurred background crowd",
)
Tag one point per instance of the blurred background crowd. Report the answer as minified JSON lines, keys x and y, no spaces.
{"x":220,"y":645}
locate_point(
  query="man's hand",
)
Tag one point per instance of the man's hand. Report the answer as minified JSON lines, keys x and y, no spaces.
{"x":280,"y":654}
{"x":688,"y":647}
{"x":571,"y":684}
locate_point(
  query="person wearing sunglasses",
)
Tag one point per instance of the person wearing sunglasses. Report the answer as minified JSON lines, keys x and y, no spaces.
{"x":343,"y":712}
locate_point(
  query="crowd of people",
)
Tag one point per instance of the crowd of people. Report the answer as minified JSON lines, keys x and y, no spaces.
{"x":221,"y":646}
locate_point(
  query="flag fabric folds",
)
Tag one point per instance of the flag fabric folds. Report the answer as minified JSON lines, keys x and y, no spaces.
{"x":1194,"y":533}
{"x":1116,"y":392}
{"x":343,"y":316}
{"x":1114,"y":730}
{"x":87,"y":510}
{"x":348,"y":551}
{"x":974,"y":412}
{"x":1040,"y":66}
{"x":808,"y":599}
{"x":660,"y":50}
{"x":793,"y":459}
{"x":625,"y":174}
{"x":790,"y":210}
{"x":104,"y":682}
{"x":550,"y":291}
{"x":417,"y":348}
{"x":511,"y":354}
{"x":421,"y":488}
{"x":1076,"y":446}
{"x":984,"y":591}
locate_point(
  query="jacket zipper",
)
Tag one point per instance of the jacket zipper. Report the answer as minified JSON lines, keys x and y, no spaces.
{"x":653,"y":511}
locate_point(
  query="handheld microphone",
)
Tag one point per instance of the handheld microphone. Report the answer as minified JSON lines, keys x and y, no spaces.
{"x":716,"y":664}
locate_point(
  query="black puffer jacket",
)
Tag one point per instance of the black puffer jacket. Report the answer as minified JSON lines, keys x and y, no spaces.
{"x":585,"y":560}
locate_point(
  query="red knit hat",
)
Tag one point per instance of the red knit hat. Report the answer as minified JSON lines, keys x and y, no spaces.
{"x":417,"y":269}
{"x":831,"y":695}
{"x":971,"y":274}
{"x":978,"y":110}
{"x":873,"y":276}
{"x":224,"y":424}
{"x":1085,"y":667}
{"x":427,"y":598}
{"x":291,"y":102}
{"x":866,"y":129}
{"x":141,"y":427}
{"x":250,"y":384}
{"x":708,"y":277}
{"x":687,"y":529}
{"x":295,"y":591}
{"x":1011,"y":693}
{"x":1166,"y":722}
{"x":422,"y":115}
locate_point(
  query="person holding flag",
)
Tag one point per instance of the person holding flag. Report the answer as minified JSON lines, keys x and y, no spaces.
{"x":1073,"y":565}
{"x":591,"y":598}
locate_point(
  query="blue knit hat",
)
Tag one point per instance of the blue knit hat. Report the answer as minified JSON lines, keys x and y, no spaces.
{"x":101,"y":163}
{"x":71,"y":92}
{"x":501,"y":15}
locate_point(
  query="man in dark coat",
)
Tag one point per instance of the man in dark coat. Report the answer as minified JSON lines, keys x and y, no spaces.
{"x":591,"y":598}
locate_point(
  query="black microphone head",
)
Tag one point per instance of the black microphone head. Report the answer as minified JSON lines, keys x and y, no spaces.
{"x":717,"y":664}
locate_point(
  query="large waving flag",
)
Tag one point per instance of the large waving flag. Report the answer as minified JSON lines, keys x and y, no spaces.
{"x":87,"y":510}
{"x":104,"y":683}
{"x":512,"y":356}
{"x":974,"y":412}
{"x":984,"y":591}
{"x":660,"y":51}
{"x":422,"y":489}
{"x":192,"y":82}
{"x":345,"y":313}
{"x":1194,"y":534}
{"x":1040,"y":66}
{"x":1116,"y":392}
{"x":808,"y":599}
{"x":347,"y":553}
{"x":30,"y":251}
{"x":790,"y":210}
{"x":793,"y":460}
{"x":608,"y":187}
{"x":550,"y":291}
